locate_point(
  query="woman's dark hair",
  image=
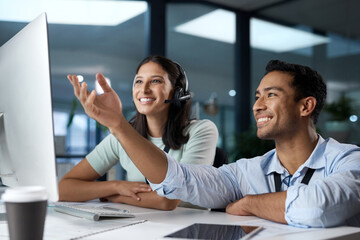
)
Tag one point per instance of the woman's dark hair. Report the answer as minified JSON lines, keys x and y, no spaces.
{"x":307,"y":82}
{"x":178,"y":119}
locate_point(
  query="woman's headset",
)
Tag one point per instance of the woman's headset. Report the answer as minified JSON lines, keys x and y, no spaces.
{"x":181,"y":93}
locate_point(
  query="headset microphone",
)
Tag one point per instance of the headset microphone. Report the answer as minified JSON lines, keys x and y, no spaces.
{"x":184,"y":98}
{"x":181,"y":92}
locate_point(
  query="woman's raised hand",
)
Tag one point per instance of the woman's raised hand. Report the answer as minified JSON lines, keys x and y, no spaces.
{"x":105,"y":108}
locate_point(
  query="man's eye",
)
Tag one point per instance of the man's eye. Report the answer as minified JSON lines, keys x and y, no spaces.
{"x":271,"y":94}
{"x":156,"y":80}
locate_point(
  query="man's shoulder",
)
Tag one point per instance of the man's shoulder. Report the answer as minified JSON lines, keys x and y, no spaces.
{"x":331,"y":145}
{"x":339,"y":154}
{"x":263,"y":159}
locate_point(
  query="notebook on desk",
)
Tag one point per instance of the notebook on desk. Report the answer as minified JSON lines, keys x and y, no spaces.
{"x":92,"y":211}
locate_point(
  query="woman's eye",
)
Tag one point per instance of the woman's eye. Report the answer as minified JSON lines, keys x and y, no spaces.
{"x":138,"y":81}
{"x":156,"y":80}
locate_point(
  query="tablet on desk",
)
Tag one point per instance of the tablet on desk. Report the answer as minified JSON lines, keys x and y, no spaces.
{"x":215,"y":231}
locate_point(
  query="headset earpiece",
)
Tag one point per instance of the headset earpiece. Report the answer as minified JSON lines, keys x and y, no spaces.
{"x":181,"y":93}
{"x":178,"y":94}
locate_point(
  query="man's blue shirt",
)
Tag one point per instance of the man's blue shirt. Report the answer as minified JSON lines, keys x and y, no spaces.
{"x":331,"y":198}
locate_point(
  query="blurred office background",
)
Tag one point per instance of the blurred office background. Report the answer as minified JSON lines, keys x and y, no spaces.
{"x":223,"y":45}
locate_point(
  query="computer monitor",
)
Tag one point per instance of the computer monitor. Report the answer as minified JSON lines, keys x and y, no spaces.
{"x":27,"y":154}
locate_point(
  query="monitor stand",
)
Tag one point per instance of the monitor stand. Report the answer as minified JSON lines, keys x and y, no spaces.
{"x":2,"y":217}
{"x":5,"y":171}
{"x":2,"y":205}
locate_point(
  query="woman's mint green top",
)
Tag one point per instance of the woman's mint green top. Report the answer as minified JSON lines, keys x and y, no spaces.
{"x":200,"y":149}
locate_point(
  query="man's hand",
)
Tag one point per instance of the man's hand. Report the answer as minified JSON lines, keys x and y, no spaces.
{"x":269,"y":206}
{"x":239,"y":207}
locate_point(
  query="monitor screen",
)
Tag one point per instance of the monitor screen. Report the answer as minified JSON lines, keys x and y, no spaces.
{"x":27,"y":155}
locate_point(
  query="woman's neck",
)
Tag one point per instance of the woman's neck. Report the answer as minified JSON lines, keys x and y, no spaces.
{"x":156,"y":126}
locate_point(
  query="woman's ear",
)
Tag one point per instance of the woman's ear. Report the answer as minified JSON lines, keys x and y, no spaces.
{"x":307,"y":107}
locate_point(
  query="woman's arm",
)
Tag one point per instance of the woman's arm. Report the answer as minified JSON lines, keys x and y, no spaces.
{"x":79,"y":185}
{"x":148,"y":200}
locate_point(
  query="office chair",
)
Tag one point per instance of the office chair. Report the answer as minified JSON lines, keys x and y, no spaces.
{"x":221,"y":158}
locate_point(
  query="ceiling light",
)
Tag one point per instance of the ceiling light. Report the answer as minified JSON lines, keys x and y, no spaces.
{"x":80,"y":78}
{"x":98,"y":88}
{"x":278,"y":38}
{"x":353,"y":118}
{"x":232,"y":93}
{"x":219,"y":25}
{"x":105,"y":13}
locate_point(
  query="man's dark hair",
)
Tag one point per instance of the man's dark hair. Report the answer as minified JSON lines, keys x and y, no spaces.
{"x":306,"y":81}
{"x":178,"y":118}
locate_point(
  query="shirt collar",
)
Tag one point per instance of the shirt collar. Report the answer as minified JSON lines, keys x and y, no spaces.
{"x":316,"y":160}
{"x":271,"y":162}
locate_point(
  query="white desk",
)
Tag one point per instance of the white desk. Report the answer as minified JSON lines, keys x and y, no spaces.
{"x":153,"y":224}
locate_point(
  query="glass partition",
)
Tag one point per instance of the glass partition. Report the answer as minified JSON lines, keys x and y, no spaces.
{"x":200,"y":40}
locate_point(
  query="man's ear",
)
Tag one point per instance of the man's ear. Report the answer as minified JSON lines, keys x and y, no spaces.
{"x":307,"y":107}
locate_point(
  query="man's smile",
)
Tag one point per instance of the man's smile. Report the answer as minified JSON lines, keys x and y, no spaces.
{"x":263,"y":120}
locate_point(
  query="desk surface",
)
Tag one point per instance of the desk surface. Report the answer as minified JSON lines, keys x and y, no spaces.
{"x":154,"y":224}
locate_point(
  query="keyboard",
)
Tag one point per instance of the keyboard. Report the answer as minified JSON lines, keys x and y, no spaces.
{"x":92,"y":211}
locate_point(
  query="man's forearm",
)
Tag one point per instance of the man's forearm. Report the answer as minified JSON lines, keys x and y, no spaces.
{"x":269,"y":206}
{"x":149,"y":159}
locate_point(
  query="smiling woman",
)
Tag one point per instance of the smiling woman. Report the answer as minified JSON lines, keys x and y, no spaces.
{"x":162,"y":101}
{"x":151,"y":88}
{"x":157,"y":80}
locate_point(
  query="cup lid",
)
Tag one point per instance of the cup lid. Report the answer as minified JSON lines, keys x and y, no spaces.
{"x":25,"y":194}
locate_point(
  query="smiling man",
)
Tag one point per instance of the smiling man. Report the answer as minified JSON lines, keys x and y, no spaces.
{"x":305,"y":181}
